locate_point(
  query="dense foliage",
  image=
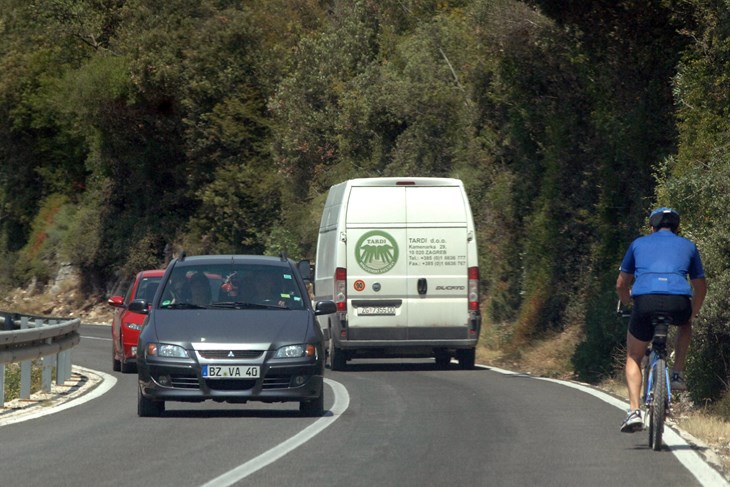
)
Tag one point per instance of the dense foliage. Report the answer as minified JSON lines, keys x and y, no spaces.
{"x":134,"y":128}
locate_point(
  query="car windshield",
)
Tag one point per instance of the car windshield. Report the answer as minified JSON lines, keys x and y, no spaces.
{"x":231,"y":286}
{"x":147,"y":288}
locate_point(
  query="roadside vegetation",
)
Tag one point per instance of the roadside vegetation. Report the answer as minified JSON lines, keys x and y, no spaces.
{"x":12,"y":380}
{"x":134,"y":129}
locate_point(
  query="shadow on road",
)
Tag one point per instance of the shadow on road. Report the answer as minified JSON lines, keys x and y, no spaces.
{"x":394,"y":366}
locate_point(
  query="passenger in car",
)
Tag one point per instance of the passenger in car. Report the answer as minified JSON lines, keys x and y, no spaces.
{"x":267,"y":289}
{"x":200,"y":294}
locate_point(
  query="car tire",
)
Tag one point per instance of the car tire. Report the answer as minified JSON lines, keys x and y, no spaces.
{"x":313,"y":407}
{"x":442,"y":360}
{"x":338,"y":359}
{"x":466,"y":358}
{"x":125,"y":367}
{"x":116,"y":364}
{"x":147,"y":408}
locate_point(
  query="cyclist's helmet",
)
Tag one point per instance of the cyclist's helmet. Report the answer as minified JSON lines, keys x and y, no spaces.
{"x":664,"y":218}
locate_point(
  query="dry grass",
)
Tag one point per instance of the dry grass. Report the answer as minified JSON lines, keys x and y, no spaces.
{"x":549,"y":357}
{"x":710,"y":428}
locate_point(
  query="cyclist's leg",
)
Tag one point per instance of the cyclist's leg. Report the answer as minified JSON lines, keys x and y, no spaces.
{"x":635,"y":352}
{"x":684,"y":336}
{"x":637,"y":340}
{"x":681,"y":310}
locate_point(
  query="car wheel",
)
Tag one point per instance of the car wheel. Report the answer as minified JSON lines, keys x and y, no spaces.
{"x":442,"y":360}
{"x":116,"y":364}
{"x":338,"y":359}
{"x":147,"y":407}
{"x":126,"y":367}
{"x":313,"y":407}
{"x":466,"y":358}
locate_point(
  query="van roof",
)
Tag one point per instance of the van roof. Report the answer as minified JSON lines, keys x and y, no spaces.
{"x":404,"y":181}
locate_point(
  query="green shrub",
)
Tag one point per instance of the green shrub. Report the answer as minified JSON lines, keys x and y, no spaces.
{"x":12,"y":379}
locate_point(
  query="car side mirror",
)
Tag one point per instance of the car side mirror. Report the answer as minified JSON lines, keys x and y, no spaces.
{"x":138,"y":306}
{"x":325,"y":308}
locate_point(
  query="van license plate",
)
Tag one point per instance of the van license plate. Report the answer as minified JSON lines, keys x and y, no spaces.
{"x":231,"y":371}
{"x":376,"y":310}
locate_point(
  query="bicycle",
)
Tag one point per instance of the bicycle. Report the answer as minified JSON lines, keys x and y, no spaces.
{"x":657,"y":390}
{"x":656,"y":385}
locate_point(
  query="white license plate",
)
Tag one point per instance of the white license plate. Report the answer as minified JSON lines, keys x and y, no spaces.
{"x":231,"y":371}
{"x":376,"y":310}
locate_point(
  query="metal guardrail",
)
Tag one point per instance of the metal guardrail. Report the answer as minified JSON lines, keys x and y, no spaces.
{"x":24,"y":338}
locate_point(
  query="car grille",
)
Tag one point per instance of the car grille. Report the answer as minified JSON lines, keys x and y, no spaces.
{"x":276,"y":382}
{"x":230,"y":354}
{"x":230,"y":385}
{"x":184,"y":381}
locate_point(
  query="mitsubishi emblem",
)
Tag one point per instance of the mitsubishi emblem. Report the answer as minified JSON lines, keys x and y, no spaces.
{"x":231,"y":354}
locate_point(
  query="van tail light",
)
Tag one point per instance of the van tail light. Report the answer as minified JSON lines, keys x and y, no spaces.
{"x":340,"y":289}
{"x":473,"y":288}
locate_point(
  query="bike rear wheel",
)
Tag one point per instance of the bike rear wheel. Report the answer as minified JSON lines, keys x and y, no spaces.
{"x":657,"y":409}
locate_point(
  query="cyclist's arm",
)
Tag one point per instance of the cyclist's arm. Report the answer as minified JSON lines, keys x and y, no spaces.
{"x":623,"y":287}
{"x":699,"y":291}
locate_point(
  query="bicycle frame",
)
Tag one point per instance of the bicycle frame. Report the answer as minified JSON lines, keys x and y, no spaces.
{"x":651,"y":364}
{"x":657,"y":382}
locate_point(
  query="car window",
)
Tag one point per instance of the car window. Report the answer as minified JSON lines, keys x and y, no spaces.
{"x":128,"y":294}
{"x":147,"y":288}
{"x":232,"y":286}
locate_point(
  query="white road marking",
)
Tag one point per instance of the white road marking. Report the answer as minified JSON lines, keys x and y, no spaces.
{"x":342,"y":401}
{"x":704,"y":473}
{"x":96,"y":338}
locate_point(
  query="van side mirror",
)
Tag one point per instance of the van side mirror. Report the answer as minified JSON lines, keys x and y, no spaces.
{"x":305,"y":269}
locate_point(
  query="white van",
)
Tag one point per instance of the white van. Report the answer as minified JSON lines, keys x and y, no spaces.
{"x":399,"y":258}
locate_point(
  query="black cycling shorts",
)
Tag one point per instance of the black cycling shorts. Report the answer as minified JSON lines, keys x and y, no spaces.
{"x":645,"y":305}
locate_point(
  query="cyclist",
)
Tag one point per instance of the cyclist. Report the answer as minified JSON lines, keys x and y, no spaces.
{"x":654,"y":274}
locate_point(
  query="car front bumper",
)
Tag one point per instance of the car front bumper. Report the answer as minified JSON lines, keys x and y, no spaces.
{"x":277,"y":383}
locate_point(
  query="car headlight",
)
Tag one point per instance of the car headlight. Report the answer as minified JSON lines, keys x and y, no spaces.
{"x":165,"y":350}
{"x":296,"y":351}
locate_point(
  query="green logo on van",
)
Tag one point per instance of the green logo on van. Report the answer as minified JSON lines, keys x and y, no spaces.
{"x":376,"y":252}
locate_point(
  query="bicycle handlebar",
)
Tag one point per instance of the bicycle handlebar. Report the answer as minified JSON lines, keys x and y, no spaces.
{"x":621,"y":312}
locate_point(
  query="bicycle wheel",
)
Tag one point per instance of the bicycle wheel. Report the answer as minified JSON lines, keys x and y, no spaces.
{"x":658,"y":405}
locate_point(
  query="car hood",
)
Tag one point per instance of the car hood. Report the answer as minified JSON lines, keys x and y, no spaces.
{"x":260,"y":327}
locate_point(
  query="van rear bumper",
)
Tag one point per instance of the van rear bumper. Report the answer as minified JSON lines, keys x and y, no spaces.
{"x":453,"y":337}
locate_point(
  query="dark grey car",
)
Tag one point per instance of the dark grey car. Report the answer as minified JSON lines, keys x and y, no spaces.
{"x":232,"y":328}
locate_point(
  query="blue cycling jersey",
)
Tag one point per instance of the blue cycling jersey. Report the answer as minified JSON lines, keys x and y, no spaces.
{"x":661,"y":263}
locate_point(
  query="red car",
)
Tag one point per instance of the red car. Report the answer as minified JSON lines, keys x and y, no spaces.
{"x":127,"y":324}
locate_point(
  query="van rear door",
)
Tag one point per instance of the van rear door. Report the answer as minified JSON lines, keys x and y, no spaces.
{"x":437,"y":260}
{"x":376,"y":262}
{"x":407,"y":260}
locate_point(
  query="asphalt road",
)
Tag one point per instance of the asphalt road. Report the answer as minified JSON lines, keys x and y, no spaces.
{"x":390,"y":423}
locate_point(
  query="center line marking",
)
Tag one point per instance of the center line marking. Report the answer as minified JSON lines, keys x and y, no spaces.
{"x":342,"y":401}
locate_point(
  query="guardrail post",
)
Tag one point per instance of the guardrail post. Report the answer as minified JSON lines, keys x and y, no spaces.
{"x":25,"y":368}
{"x":2,"y":385}
{"x":47,"y":367}
{"x":51,"y":340}
{"x":63,"y":367}
{"x":8,"y":321}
